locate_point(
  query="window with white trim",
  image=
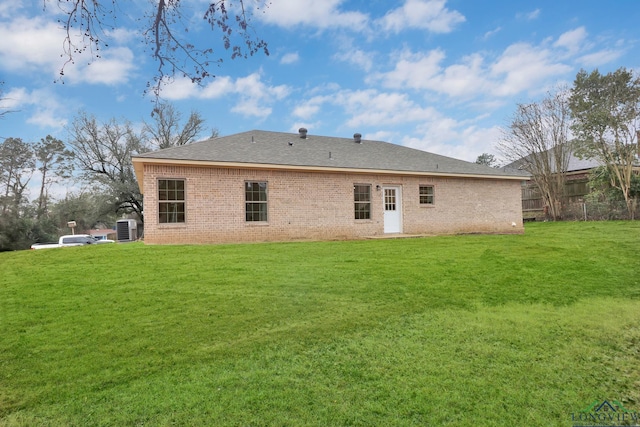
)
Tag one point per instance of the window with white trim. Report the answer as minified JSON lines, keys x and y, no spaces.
{"x":255,"y":196}
{"x":171,"y":201}
{"x":362,"y":201}
{"x":426,"y":195}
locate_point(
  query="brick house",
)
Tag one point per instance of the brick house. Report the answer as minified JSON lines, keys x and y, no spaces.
{"x":272,"y":186}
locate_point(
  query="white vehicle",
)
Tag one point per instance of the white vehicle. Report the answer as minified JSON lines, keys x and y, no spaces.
{"x":71,"y":240}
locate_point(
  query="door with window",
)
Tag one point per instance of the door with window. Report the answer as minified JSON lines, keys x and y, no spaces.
{"x":392,"y":209}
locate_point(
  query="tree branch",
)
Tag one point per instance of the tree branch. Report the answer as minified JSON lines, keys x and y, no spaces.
{"x":173,"y":55}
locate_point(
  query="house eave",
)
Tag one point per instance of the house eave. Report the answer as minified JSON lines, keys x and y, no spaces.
{"x":139,"y":162}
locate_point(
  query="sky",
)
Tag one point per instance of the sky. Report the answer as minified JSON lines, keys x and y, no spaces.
{"x":442,"y":76}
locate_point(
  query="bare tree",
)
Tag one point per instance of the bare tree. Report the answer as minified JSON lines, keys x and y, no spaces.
{"x":166,"y":130}
{"x":606,"y":109}
{"x":537,"y":141}
{"x":102,"y":151}
{"x":164,"y":34}
{"x":3,"y":109}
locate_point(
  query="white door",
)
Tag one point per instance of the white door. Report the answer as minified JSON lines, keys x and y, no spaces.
{"x":392,"y":212}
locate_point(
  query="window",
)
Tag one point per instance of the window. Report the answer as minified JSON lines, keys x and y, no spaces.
{"x":170,"y":200}
{"x":389,"y":199}
{"x":255,"y":196}
{"x":426,"y":194}
{"x":362,"y":201}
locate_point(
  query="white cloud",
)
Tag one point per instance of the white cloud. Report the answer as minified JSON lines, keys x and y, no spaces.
{"x":399,"y":119}
{"x":10,"y":8}
{"x":14,"y":98}
{"x":381,"y":135}
{"x":47,"y":118}
{"x":122,"y":36}
{"x":251,"y":107}
{"x":356,"y":57}
{"x":522,"y":67}
{"x":308,"y":109}
{"x":448,"y":137}
{"x":219,"y":87}
{"x":113,"y":67}
{"x":35,"y":45}
{"x":378,"y":109}
{"x":350,"y":52}
{"x":464,"y":80}
{"x":253,"y":87}
{"x":371,"y":108}
{"x":412,"y":70}
{"x":422,"y":71}
{"x":312,"y":14}
{"x":252,"y":94}
{"x":572,"y":40}
{"x":41,"y":106}
{"x":491,"y":33}
{"x":290,"y":58}
{"x":30,"y":44}
{"x":431,"y":15}
{"x":529,"y":16}
{"x":599,"y":58}
{"x":180,"y":88}
{"x":310,"y":126}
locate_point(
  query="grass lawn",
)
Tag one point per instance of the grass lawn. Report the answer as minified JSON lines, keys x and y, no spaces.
{"x":478,"y":330}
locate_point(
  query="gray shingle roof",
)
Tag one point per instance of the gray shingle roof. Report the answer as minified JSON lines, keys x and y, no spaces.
{"x":289,"y":149}
{"x":578,"y":164}
{"x":575,"y":164}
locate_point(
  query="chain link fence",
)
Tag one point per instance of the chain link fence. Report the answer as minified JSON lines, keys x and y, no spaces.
{"x":596,"y":211}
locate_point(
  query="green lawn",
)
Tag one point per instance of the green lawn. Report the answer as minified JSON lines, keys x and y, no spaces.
{"x":479,"y":330}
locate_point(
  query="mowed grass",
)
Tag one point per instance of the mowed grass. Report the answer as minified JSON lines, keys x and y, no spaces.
{"x":482,"y":330}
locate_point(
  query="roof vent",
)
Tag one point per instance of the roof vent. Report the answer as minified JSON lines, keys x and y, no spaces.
{"x":303,"y":133}
{"x":357,"y":138}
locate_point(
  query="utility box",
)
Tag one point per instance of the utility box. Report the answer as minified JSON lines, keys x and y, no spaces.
{"x":126,"y":230}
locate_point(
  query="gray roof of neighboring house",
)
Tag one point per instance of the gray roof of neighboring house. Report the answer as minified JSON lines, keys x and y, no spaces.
{"x":289,"y":149}
{"x":575,"y":164}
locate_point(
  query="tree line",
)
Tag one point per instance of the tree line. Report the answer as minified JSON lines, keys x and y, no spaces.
{"x":94,"y":164}
{"x":598,"y":118}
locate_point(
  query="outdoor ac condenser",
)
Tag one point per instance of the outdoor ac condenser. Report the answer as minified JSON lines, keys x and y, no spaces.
{"x":126,"y":230}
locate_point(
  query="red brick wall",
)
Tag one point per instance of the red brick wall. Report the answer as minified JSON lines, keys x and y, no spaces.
{"x":319,"y":206}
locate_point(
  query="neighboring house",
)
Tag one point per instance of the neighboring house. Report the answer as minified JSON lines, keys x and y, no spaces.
{"x":103,"y":233}
{"x":576,"y":186}
{"x":272,"y":186}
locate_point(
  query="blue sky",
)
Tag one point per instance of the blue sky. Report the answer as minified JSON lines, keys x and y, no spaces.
{"x":442,"y":76}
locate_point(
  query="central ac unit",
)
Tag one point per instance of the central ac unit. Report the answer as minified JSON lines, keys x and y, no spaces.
{"x":126,"y":230}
